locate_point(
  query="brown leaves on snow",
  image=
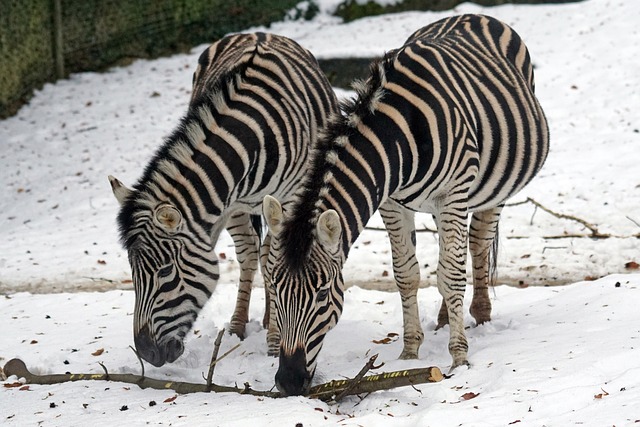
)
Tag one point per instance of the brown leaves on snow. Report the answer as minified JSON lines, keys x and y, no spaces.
{"x":391,"y":337}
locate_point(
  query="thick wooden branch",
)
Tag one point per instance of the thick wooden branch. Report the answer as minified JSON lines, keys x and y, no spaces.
{"x":324,"y":392}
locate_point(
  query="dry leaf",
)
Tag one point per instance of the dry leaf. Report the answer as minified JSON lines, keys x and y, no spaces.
{"x":12,"y":385}
{"x":385,"y":273}
{"x":24,"y":388}
{"x":98,"y":352}
{"x":601,"y":395}
{"x":222,"y":255}
{"x":515,"y":422}
{"x":171,"y":399}
{"x":33,"y":342}
{"x":391,"y":337}
{"x":469,"y":395}
{"x":632,"y":265}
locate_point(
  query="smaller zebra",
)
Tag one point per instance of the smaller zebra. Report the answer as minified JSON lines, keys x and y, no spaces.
{"x":258,"y":103}
{"x":447,"y":124}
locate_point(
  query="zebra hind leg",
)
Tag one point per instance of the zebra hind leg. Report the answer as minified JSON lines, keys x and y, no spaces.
{"x":269,"y":320}
{"x":401,"y":228}
{"x":483,"y":246}
{"x":247,"y":243}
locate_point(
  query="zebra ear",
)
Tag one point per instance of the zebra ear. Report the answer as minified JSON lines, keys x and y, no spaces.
{"x":329,"y":229}
{"x":119,"y":190}
{"x":272,"y":211}
{"x":168,"y":217}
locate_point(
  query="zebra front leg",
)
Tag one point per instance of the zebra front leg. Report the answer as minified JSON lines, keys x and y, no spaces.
{"x":483,"y":246}
{"x":247,"y":243}
{"x":406,"y":270}
{"x":451,"y":273}
{"x":269,"y":319}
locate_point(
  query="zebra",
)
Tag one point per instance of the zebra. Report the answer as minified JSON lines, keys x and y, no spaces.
{"x":258,"y":103}
{"x":447,"y":124}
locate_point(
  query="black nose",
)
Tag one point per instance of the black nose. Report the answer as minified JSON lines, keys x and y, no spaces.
{"x":157,"y":354}
{"x":173,"y":349}
{"x":292,"y":378}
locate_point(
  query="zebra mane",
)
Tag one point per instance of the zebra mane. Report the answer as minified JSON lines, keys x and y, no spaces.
{"x":298,"y":228}
{"x":178,"y":145}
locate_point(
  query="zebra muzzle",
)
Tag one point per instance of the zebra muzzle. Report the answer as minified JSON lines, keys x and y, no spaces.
{"x":154,"y":353}
{"x":292,"y":378}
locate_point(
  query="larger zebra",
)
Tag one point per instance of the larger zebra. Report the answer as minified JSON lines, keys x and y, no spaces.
{"x":447,"y":124}
{"x":258,"y":103}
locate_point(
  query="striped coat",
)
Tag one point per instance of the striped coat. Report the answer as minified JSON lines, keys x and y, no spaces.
{"x":258,"y":104}
{"x":447,"y":124}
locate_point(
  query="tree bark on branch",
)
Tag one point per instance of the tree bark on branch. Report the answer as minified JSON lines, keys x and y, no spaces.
{"x":326,"y":392}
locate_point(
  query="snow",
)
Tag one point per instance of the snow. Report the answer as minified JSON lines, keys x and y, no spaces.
{"x":552,"y":356}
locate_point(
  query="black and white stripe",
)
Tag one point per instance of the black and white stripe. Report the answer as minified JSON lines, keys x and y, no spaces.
{"x":258,"y":103}
{"x":447,"y":124}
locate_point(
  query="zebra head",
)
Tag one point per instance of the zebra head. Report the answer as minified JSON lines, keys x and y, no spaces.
{"x":174,"y":272}
{"x":308,"y":295}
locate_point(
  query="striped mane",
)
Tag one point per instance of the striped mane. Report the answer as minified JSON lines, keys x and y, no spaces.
{"x":298,"y":228}
{"x":178,"y":144}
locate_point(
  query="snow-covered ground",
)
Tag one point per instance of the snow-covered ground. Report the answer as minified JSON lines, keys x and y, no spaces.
{"x":552,"y":356}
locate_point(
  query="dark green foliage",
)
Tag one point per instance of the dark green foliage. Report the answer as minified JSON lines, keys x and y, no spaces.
{"x":97,"y":34}
{"x":350,"y":10}
{"x":26,"y":50}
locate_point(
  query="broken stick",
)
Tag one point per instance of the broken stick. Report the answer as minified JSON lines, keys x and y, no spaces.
{"x":325,"y":392}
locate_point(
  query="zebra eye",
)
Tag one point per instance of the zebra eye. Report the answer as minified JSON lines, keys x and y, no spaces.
{"x":322,"y":294}
{"x":165,"y":271}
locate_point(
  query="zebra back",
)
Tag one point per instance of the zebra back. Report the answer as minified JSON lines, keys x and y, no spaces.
{"x":492,"y":36}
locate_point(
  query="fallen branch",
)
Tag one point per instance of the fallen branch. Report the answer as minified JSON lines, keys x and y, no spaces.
{"x":325,"y":392}
{"x":594,"y":232}
{"x":358,"y":378}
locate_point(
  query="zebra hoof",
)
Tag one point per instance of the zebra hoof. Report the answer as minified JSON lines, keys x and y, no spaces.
{"x":456,"y":365}
{"x":481,"y":321}
{"x":408,"y":355}
{"x":240,"y":332}
{"x":481,"y":314}
{"x":442,"y":323}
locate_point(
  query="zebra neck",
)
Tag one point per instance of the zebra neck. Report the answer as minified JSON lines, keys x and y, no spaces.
{"x":360,"y":178}
{"x":203,"y":169}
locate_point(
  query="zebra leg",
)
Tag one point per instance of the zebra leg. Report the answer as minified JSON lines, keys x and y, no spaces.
{"x":443,"y":315}
{"x":451,"y":273}
{"x":269,"y":320}
{"x":483,"y":248}
{"x":247,"y":247}
{"x":406,"y":270}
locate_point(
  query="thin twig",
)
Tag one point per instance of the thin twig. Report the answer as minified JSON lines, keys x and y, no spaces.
{"x":228,"y":352}
{"x":101,"y":279}
{"x":591,"y":227}
{"x":632,"y":220}
{"x":104,"y":368}
{"x":214,"y":356}
{"x":356,"y":380}
{"x":139,"y":360}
